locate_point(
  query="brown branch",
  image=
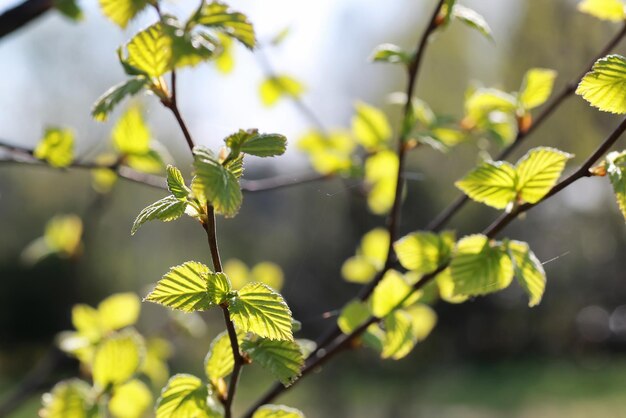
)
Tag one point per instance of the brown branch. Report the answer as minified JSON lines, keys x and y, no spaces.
{"x":22,"y":14}
{"x":490,"y":232}
{"x":448,"y":213}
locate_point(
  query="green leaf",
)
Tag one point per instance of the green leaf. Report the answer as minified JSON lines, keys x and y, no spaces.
{"x":381,"y":170}
{"x":219,"y":185}
{"x":265,"y":145}
{"x":219,"y":16}
{"x":358,"y":269}
{"x":260,"y":310}
{"x":167,"y":209}
{"x":121,"y":12}
{"x":472,"y":19}
{"x":63,"y":234}
{"x":150,"y":162}
{"x":131,"y":134}
{"x":482,"y":102}
{"x":70,"y":398}
{"x":150,"y":51}
{"x":616,"y":169}
{"x":154,"y":366}
{"x":56,"y":147}
{"x":283,"y":359}
{"x":130,"y":400}
{"x":604,"y":87}
{"x":119,"y":311}
{"x":218,"y":288}
{"x":184,"y":287}
{"x":536,"y":87}
{"x":612,"y":10}
{"x":219,"y":361}
{"x":480,"y":267}
{"x":112,"y":97}
{"x":277,"y":411}
{"x":538,"y":171}
{"x":274,"y":88}
{"x":370,"y":126}
{"x":69,"y":8}
{"x":399,"y":339}
{"x":388,"y":294}
{"x":352,"y":316}
{"x":390,"y":53}
{"x":184,"y":396}
{"x":176,"y":183}
{"x":492,"y":183}
{"x":117,"y":358}
{"x":528,"y":270}
{"x":423,"y":252}
{"x":188,"y":48}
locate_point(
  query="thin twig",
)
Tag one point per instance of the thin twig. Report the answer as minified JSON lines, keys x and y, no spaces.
{"x":568,"y":90}
{"x":491,"y":231}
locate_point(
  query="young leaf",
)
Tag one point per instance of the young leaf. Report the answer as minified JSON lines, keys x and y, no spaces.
{"x":56,"y":147}
{"x":274,"y":88}
{"x":399,"y":339}
{"x":107,"y":102}
{"x":70,"y":398}
{"x":150,"y":51}
{"x":154,"y":365}
{"x":150,"y":162}
{"x":352,"y":316}
{"x":612,"y":10}
{"x":218,"y":287}
{"x":69,"y":8}
{"x":219,"y":16}
{"x":422,"y":252}
{"x":536,"y":87}
{"x":390,"y":53}
{"x":423,"y":320}
{"x":63,"y":234}
{"x":391,"y":290}
{"x":260,"y":310}
{"x":528,"y":270}
{"x":184,"y":287}
{"x":224,"y":60}
{"x":117,"y":358}
{"x":130,"y":400}
{"x":604,"y":87}
{"x":167,"y":209}
{"x":176,"y":183}
{"x":616,"y":169}
{"x":478,"y":268}
{"x":219,"y":361}
{"x":358,"y":269}
{"x":277,"y":411}
{"x":283,"y":359}
{"x":380,"y":172}
{"x":188,"y":48}
{"x":370,"y":126}
{"x":492,"y":183}
{"x":121,"y":12}
{"x":218,"y":184}
{"x":265,"y":145}
{"x":119,"y":311}
{"x":131,"y":134}
{"x":538,"y":171}
{"x":472,"y":19}
{"x":184,"y":396}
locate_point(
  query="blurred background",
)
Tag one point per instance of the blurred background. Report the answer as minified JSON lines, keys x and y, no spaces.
{"x":488,"y":357}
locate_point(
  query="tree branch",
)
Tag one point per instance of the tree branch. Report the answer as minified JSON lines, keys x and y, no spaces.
{"x":22,"y":14}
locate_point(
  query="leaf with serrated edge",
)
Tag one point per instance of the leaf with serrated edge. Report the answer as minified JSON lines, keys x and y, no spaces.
{"x":283,"y":359}
{"x":184,"y":288}
{"x":219,"y":16}
{"x":536,"y":87}
{"x":151,"y":51}
{"x":391,"y":290}
{"x":122,"y":11}
{"x":604,"y":87}
{"x":260,"y":310}
{"x":219,"y":361}
{"x":218,"y":287}
{"x":538,"y":171}
{"x":478,"y":268}
{"x":492,"y":183}
{"x":167,"y":209}
{"x":528,"y":270}
{"x":419,"y":251}
{"x":176,"y":183}
{"x":277,"y":411}
{"x":399,"y":339}
{"x":117,"y":358}
{"x":112,"y":97}
{"x":218,"y":184}
{"x":184,"y":396}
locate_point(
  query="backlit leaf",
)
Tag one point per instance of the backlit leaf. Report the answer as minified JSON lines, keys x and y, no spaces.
{"x":283,"y":359}
{"x":176,"y":183}
{"x":219,"y":16}
{"x":130,"y":400}
{"x":612,"y":10}
{"x":616,"y":169}
{"x":117,"y":358}
{"x":63,"y":234}
{"x":352,"y":316}
{"x":274,"y":88}
{"x":56,"y":147}
{"x":184,"y":287}
{"x":269,"y":273}
{"x":422,"y":252}
{"x":387,"y":295}
{"x":118,"y":311}
{"x":370,"y":126}
{"x":184,"y":396}
{"x":131,"y":134}
{"x":112,"y":97}
{"x":151,"y":51}
{"x":277,"y":411}
{"x":167,"y":209}
{"x":604,"y":86}
{"x":478,"y":267}
{"x":492,"y":183}
{"x":219,"y":361}
{"x":218,"y":287}
{"x":528,"y":270}
{"x":262,"y":311}
{"x":399,"y":339}
{"x":538,"y":171}
{"x":69,"y":8}
{"x":122,"y":11}
{"x":536,"y":87}
{"x":358,"y":269}
{"x":67,"y":399}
